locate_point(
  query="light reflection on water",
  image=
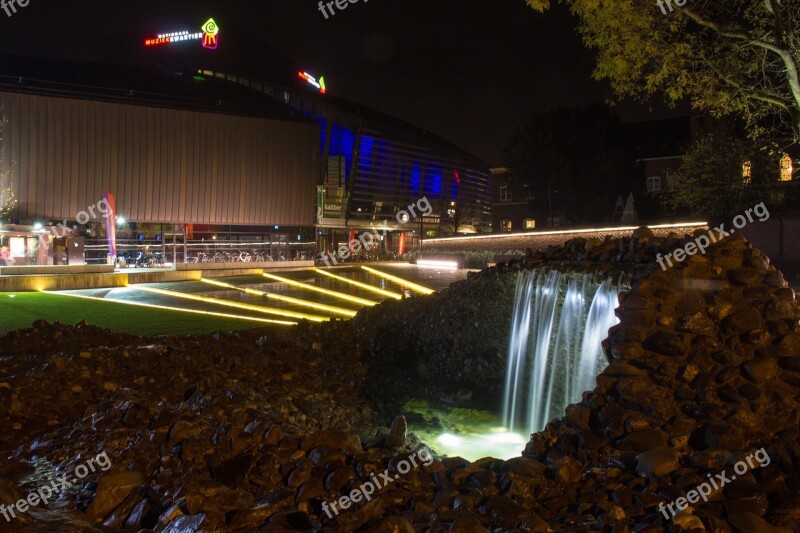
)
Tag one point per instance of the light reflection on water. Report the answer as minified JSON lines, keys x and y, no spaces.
{"x":459,"y":432}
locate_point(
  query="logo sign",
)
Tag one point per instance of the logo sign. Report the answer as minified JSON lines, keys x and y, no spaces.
{"x":313,"y":81}
{"x":209,"y":35}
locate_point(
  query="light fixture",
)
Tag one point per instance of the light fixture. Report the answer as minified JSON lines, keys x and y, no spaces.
{"x":287,"y":299}
{"x":429,"y":263}
{"x":400,"y":281}
{"x":306,"y":286}
{"x":364,"y":286}
{"x":37,"y":226}
{"x":121,"y":220}
{"x":176,"y":309}
{"x":217,"y":301}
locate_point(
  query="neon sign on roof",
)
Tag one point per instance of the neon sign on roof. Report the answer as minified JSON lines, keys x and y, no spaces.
{"x":313,"y":81}
{"x":209,"y":35}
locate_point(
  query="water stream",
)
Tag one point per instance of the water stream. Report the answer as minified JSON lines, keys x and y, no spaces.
{"x":555,"y":353}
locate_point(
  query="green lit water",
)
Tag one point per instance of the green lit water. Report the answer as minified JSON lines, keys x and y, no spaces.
{"x":459,"y":432}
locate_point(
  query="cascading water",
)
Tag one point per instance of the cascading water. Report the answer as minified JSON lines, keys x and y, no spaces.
{"x":554,"y":351}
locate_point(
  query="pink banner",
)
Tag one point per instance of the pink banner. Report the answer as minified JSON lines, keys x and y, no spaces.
{"x":110,"y":222}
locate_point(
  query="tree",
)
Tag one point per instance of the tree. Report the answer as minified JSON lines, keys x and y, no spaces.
{"x":725,"y":56}
{"x":7,"y":199}
{"x":573,"y":160}
{"x":722,"y":176}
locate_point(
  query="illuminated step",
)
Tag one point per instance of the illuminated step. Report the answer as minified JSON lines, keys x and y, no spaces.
{"x":388,"y":294}
{"x":335,"y":294}
{"x":400,"y":281}
{"x":288,"y":299}
{"x":177,"y":309}
{"x":217,"y":301}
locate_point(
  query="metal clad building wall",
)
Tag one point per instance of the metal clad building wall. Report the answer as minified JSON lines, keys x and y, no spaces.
{"x":163,"y":165}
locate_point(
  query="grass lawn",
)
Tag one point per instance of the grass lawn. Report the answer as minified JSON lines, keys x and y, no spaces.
{"x":25,"y":307}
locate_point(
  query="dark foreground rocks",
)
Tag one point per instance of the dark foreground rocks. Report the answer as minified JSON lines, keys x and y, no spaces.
{"x":262,"y":431}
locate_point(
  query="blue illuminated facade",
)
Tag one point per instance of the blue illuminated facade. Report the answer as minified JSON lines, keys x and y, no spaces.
{"x":372,"y":166}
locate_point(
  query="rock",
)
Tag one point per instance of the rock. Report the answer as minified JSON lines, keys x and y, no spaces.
{"x":397,"y":433}
{"x":688,"y":522}
{"x":113,"y":488}
{"x":466,"y":524}
{"x":186,"y":524}
{"x":392,"y":524}
{"x":744,"y":522}
{"x":665,"y":343}
{"x":334,"y":439}
{"x":233,"y":471}
{"x":761,"y":370}
{"x":657,"y":462}
{"x":568,"y":470}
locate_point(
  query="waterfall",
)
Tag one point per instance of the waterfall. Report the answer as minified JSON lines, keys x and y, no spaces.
{"x":554,"y":349}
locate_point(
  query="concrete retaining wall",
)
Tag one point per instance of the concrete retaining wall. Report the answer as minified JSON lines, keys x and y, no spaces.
{"x":61,"y":283}
{"x":102,"y":276}
{"x":47,"y":270}
{"x":508,"y":242}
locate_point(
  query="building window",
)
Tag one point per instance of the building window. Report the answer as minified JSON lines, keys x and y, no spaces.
{"x":747,"y":172}
{"x":506,"y":225}
{"x":526,"y":192}
{"x":787,"y":168}
{"x":505,"y":193}
{"x":530,"y":223}
{"x":654,"y":184}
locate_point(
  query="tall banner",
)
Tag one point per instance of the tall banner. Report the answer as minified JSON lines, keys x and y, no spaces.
{"x":351,"y":237}
{"x":110,"y":223}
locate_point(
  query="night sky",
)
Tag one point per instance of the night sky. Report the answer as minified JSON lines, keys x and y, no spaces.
{"x":467,"y":70}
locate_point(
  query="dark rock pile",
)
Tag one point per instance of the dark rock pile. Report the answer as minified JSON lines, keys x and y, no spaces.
{"x":255,"y":431}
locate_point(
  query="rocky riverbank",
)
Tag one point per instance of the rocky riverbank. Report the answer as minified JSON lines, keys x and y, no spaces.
{"x":254,"y":431}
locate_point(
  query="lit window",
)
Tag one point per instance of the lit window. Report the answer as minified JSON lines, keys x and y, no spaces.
{"x":654,"y":184}
{"x":506,"y":225}
{"x":747,"y":172}
{"x":505,"y":194}
{"x":787,"y":168}
{"x":530,"y":223}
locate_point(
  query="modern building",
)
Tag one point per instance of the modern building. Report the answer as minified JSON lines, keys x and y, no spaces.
{"x":199,"y":149}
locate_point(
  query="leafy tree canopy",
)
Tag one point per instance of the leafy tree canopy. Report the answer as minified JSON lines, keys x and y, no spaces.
{"x":722,"y":176}
{"x":725,"y":56}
